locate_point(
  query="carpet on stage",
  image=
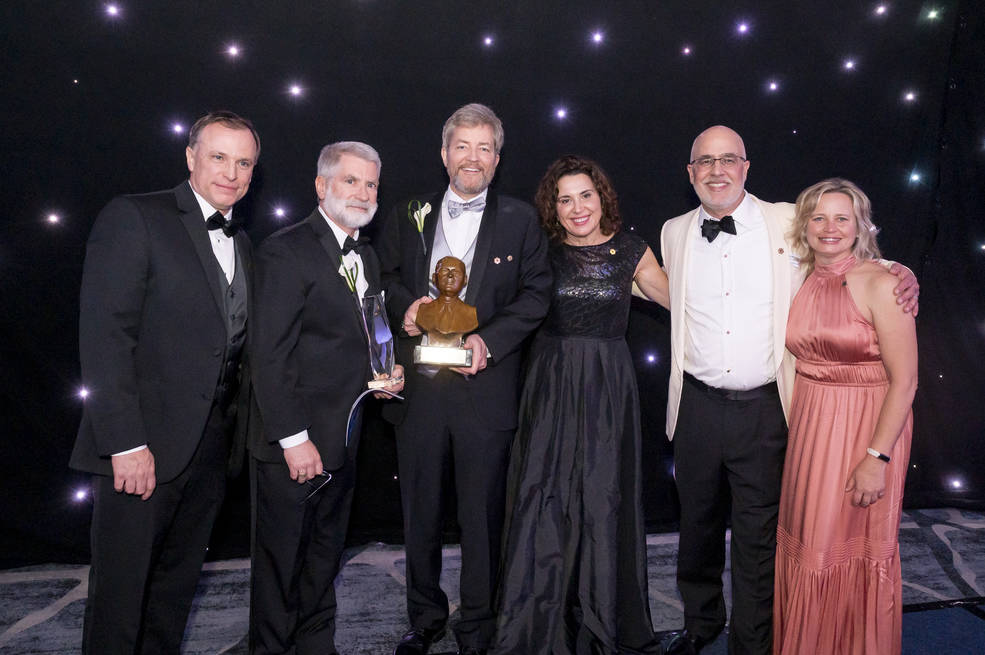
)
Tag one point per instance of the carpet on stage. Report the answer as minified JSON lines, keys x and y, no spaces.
{"x":943,"y":555}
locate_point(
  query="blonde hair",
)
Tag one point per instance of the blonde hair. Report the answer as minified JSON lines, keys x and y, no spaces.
{"x":865,"y":246}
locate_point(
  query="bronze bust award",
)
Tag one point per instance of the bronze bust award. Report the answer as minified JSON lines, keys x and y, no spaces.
{"x":446,"y":319}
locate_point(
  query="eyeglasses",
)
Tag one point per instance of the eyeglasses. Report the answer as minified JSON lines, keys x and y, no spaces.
{"x":728,"y":161}
{"x":316,"y":484}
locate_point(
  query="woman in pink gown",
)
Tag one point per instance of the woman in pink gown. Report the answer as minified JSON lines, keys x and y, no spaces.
{"x":838,"y":584}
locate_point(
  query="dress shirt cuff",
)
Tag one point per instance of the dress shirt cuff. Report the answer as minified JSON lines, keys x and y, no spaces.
{"x":293,"y":440}
{"x":132,"y":450}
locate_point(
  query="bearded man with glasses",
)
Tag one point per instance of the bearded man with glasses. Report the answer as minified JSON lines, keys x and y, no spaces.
{"x":732,"y":277}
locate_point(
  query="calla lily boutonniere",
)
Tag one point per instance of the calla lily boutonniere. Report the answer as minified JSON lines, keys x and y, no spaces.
{"x":350,"y":274}
{"x":417,"y":213}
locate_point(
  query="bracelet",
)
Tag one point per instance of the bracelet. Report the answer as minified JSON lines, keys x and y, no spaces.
{"x":875,"y":453}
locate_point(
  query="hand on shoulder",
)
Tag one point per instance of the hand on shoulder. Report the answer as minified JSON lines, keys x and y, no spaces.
{"x":873,"y":289}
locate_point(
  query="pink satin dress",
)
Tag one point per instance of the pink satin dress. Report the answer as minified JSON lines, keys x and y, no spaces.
{"x":838,"y":584}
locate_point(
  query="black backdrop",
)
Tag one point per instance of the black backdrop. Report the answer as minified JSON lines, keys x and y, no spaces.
{"x":89,"y":100}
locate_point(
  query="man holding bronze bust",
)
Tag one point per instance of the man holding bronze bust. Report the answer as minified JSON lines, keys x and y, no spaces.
{"x":460,"y":418}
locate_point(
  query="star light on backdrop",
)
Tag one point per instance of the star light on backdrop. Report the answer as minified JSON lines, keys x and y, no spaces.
{"x":742,"y":29}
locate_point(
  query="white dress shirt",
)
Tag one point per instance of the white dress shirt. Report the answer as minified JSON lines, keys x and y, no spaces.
{"x":222,"y":246}
{"x":729,"y":305}
{"x":350,"y":260}
{"x":354,"y":262}
{"x":460,"y":232}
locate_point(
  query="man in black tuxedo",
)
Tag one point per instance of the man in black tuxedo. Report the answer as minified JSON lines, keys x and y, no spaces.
{"x":311,"y":362}
{"x":162,"y":327}
{"x":462,"y":419}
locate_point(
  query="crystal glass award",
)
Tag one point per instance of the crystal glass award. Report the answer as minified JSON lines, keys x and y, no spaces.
{"x":380,"y":340}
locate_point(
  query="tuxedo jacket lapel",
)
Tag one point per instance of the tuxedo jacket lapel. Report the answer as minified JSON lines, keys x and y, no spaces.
{"x":371,"y":269}
{"x":191,"y":217}
{"x":423,"y":260}
{"x":483,"y":245}
{"x":334,"y":260}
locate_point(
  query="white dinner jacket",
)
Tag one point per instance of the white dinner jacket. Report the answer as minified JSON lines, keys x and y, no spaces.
{"x":676,"y":238}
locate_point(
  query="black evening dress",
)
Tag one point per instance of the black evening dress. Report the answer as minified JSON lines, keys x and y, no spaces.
{"x":574,"y":571}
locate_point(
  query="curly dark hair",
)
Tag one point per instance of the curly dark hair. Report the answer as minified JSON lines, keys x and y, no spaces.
{"x":546,"y":197}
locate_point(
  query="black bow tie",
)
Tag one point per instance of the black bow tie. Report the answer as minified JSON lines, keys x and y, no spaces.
{"x":354,"y":244}
{"x":218,"y":222}
{"x":710,"y":229}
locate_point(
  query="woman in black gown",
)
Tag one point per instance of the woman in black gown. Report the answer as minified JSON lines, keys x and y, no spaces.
{"x":574,"y":578}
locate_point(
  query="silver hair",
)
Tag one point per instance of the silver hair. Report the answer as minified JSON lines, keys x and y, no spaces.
{"x":472,"y":115}
{"x":331,"y":154}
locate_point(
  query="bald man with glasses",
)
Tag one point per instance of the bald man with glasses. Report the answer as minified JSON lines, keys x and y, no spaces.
{"x":732,"y":277}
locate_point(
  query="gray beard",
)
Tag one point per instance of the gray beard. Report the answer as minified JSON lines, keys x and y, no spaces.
{"x":475,"y":190}
{"x":351,"y":219}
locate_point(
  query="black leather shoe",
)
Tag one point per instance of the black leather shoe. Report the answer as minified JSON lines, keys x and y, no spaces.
{"x":417,"y":641}
{"x":471,"y":650}
{"x":681,"y":642}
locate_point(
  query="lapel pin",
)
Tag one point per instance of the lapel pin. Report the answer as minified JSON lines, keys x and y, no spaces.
{"x":612,"y":251}
{"x":496,"y":260}
{"x":509,"y":258}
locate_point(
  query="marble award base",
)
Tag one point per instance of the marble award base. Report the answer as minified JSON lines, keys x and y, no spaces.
{"x":442,"y":356}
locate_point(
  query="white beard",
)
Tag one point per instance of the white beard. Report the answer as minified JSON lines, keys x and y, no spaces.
{"x":350,"y":218}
